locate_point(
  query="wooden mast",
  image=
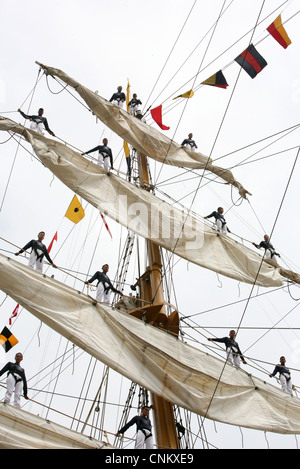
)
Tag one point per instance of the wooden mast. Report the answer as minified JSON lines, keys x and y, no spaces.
{"x":152,"y":292}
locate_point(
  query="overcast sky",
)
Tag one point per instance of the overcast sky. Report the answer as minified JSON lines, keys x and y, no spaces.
{"x":163,"y":48}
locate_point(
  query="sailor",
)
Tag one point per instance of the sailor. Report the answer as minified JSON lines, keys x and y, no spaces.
{"x":16,"y":381}
{"x":234,"y":354}
{"x":104,"y":285}
{"x":144,"y":429}
{"x":284,"y":376}
{"x":134,"y":105}
{"x":38,"y":123}
{"x":189,"y":143}
{"x":220,"y":221}
{"x":270,"y":252}
{"x":105,"y":153}
{"x":118,"y":98}
{"x":38,"y":252}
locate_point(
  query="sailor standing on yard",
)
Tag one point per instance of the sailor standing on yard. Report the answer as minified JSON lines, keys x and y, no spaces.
{"x":104,"y":285}
{"x":234,"y":355}
{"x":105,"y":154}
{"x":16,"y":380}
{"x":134,"y":105}
{"x":38,"y":252}
{"x":220,"y":221}
{"x":144,"y":429}
{"x":118,"y":98}
{"x":38,"y":123}
{"x":270,"y":252}
{"x":284,"y":376}
{"x":189,"y":143}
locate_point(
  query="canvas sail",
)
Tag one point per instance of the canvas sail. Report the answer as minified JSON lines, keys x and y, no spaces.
{"x":151,"y":357}
{"x":148,"y":140}
{"x":148,"y":216}
{"x":22,"y":430}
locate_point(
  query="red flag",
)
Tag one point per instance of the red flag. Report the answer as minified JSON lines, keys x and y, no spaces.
{"x":14,"y":313}
{"x":156,"y":114}
{"x":106,"y":225}
{"x":51,"y":244}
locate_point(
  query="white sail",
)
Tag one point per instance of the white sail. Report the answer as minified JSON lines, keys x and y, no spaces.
{"x":148,"y":216}
{"x":22,"y":430}
{"x":151,"y":357}
{"x":148,"y":140}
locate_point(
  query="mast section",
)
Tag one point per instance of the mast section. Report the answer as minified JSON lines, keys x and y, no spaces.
{"x":152,"y":292}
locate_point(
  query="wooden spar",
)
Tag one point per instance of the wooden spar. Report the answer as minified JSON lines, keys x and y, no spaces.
{"x":152,"y":292}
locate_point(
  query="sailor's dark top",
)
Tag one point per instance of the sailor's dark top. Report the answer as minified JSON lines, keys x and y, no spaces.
{"x":17,"y":371}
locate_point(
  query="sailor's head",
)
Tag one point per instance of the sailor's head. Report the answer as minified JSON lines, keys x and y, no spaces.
{"x":105,"y":268}
{"x":41,"y":111}
{"x":145,"y":410}
{"x":266,"y":237}
{"x":232,"y":334}
{"x":41,"y":235}
{"x":220,"y":209}
{"x":134,"y":95}
{"x":105,"y":141}
{"x":190,"y":135}
{"x":282,"y":360}
{"x":119,"y":89}
{"x":18,"y":357}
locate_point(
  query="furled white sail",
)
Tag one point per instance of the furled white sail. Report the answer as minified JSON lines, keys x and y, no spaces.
{"x":22,"y":430}
{"x":150,"y":217}
{"x":148,"y":140}
{"x":151,"y":357}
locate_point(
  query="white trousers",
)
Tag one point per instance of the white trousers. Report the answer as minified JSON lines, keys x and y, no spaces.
{"x":103,"y":162}
{"x":141,"y":440}
{"x":11,"y":387}
{"x":101,"y":295}
{"x":134,"y":109}
{"x":37,"y":127}
{"x":268,"y":255}
{"x":233,"y":358}
{"x":221,"y":228}
{"x":118,"y":103}
{"x":190,"y":148}
{"x":286,"y":385}
{"x":34,"y":263}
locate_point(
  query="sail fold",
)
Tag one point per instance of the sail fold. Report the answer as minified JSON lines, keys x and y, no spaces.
{"x":22,"y":430}
{"x":151,"y":357}
{"x":148,"y":140}
{"x":147,"y":215}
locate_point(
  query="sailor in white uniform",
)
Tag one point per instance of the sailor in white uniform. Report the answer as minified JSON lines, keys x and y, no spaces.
{"x":38,"y":253}
{"x":144,"y":429}
{"x":270,"y":252}
{"x":284,"y":376}
{"x":38,"y":123}
{"x":104,"y":156}
{"x":135,"y":105}
{"x":234,"y":354}
{"x":118,"y":98}
{"x":221,"y":224}
{"x":189,"y":143}
{"x":104,"y":285}
{"x":16,"y":381}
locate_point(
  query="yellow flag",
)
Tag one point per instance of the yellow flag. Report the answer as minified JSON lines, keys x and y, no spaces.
{"x":128,"y":95}
{"x":187,"y":94}
{"x":126,"y":149}
{"x":75,"y":212}
{"x":7,"y":339}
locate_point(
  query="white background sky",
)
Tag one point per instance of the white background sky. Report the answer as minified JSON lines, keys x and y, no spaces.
{"x":102,"y":45}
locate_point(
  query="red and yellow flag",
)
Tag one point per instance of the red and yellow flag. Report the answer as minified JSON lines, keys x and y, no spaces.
{"x":279,"y":33}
